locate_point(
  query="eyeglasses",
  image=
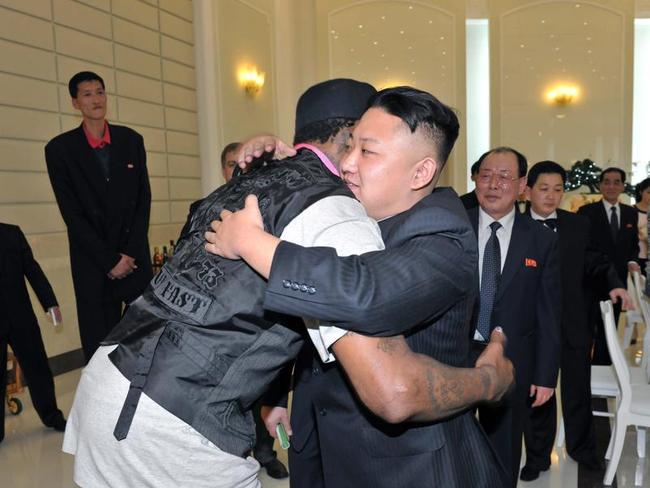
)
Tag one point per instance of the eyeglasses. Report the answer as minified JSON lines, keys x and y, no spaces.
{"x":504,"y":179}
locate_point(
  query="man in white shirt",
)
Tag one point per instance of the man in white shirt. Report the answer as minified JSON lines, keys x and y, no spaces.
{"x":614,"y":231}
{"x":583,"y":269}
{"x":520,"y":292}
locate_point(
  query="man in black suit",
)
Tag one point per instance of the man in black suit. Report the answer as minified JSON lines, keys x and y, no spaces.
{"x":19,"y":327}
{"x":469,"y":199}
{"x":614,"y":231}
{"x":519,"y":291}
{"x":583,"y":267}
{"x":99,"y":177}
{"x":423,"y":285}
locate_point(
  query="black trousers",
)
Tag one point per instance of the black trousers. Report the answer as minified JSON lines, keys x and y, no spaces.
{"x":601,"y":353}
{"x":27,"y":344}
{"x":263,"y":450}
{"x":504,"y":424}
{"x":306,"y":465}
{"x":96,"y":319}
{"x":540,"y":424}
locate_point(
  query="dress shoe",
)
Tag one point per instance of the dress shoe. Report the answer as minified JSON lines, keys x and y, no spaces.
{"x":592,"y":464}
{"x":275,"y":469}
{"x":529,"y":474}
{"x":58,"y":423}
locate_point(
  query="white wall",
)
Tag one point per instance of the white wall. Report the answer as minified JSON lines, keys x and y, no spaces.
{"x":393,"y":42}
{"x":478,"y":92}
{"x":641,"y":121}
{"x":536,"y":44}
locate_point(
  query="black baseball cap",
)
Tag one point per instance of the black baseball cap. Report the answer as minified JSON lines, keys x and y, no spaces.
{"x":338,"y":98}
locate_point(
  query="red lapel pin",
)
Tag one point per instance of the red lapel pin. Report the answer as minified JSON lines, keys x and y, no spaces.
{"x":530,"y":263}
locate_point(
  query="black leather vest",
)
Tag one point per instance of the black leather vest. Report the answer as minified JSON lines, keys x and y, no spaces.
{"x":198,"y":341}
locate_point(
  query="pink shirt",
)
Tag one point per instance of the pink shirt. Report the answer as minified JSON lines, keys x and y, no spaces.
{"x":321,"y":155}
{"x":98,"y":143}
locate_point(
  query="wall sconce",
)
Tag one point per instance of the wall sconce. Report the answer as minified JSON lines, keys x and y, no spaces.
{"x":251,"y":80}
{"x":562,"y":95}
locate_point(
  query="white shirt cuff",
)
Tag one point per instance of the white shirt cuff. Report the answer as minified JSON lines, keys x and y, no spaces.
{"x":323,"y":337}
{"x":329,"y":335}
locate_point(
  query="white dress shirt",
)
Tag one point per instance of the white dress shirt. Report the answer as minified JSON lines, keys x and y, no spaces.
{"x":503,"y":234}
{"x":536,"y":216}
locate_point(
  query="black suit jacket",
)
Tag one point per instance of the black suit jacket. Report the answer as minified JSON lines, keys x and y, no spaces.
{"x":585,"y":270}
{"x":16,"y":264}
{"x":103,"y":218}
{"x":469,"y":200}
{"x":626,"y":247}
{"x":426,"y":271}
{"x":527,"y":304}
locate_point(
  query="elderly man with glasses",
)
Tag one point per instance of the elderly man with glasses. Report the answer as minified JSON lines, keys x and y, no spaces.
{"x":520,"y":292}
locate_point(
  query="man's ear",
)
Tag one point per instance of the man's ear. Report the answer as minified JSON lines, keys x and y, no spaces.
{"x":426,"y":171}
{"x":522,"y":185}
{"x":527,"y":191}
{"x":74,"y":103}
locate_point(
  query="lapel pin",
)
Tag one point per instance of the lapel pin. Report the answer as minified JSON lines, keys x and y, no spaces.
{"x":530,"y":263}
{"x":130,"y":165}
{"x":628,"y":226}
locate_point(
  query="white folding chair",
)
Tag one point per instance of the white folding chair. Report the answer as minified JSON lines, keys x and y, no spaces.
{"x":644,"y":305}
{"x":604,"y":385}
{"x":634,"y":402}
{"x":632,"y":316}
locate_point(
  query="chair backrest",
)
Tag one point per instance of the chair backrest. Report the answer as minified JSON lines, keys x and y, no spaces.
{"x":644,"y":304}
{"x":633,"y":288}
{"x":638,"y":280}
{"x":616,"y":353}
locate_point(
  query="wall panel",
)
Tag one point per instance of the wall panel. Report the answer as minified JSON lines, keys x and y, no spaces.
{"x":392,"y":42}
{"x":27,"y":29}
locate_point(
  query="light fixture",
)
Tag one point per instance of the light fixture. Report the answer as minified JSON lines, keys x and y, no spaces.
{"x":251,"y":80}
{"x":562,"y":95}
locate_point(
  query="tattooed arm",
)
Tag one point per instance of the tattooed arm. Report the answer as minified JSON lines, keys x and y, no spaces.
{"x":399,"y":385}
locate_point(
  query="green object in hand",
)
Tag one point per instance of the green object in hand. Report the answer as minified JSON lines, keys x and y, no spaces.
{"x":282,"y":436}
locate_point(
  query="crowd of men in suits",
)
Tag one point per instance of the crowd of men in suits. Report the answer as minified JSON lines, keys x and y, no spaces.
{"x":574,"y":260}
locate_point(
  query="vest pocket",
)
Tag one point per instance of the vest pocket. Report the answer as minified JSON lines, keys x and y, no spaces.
{"x":239,"y":423}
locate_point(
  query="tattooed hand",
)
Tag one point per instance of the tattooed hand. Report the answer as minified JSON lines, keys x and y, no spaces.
{"x":497,"y":372}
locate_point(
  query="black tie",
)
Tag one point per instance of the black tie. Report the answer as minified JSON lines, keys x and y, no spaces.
{"x":491,"y":272}
{"x":550,"y":223}
{"x":613,"y":222}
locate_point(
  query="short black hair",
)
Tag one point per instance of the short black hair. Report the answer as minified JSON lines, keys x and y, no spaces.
{"x":474,"y":168}
{"x":640,"y":187}
{"x":322,"y":130}
{"x":545,"y":167}
{"x":522,"y":162}
{"x":233,"y":146}
{"x":612,"y":169}
{"x":73,"y":84}
{"x":421,"y":110}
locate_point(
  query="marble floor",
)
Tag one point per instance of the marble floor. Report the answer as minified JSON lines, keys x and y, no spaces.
{"x":30,"y":455}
